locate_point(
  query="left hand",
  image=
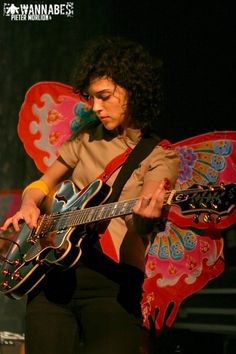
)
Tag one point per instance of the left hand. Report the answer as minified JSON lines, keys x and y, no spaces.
{"x":150,"y":203}
{"x":148,"y":208}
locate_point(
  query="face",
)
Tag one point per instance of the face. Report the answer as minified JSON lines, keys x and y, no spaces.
{"x":109,"y":102}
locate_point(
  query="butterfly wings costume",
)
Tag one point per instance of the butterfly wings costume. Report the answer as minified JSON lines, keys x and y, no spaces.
{"x":188,"y":253}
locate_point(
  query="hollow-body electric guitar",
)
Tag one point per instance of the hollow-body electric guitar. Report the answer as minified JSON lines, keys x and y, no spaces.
{"x":55,"y":244}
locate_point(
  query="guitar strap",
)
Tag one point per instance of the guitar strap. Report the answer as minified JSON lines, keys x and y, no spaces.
{"x":138,"y":154}
{"x":132,"y":159}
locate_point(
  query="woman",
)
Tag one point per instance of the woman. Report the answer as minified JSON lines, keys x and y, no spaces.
{"x":95,"y":306}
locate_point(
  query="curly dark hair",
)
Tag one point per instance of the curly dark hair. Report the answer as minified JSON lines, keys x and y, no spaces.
{"x":130,"y":66}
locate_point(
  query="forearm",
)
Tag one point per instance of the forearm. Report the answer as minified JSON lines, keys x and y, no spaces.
{"x":32,"y":196}
{"x":35,"y":192}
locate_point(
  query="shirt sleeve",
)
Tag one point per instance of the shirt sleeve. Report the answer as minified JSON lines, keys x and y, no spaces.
{"x":70,"y":151}
{"x":162,"y":163}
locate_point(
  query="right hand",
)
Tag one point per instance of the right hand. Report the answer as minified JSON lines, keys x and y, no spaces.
{"x":28,"y":213}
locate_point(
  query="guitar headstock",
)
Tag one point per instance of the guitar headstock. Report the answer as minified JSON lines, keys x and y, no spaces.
{"x":211,"y":202}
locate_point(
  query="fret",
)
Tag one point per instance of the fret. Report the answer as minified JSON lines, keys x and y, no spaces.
{"x":83,"y":217}
{"x":52,"y":225}
{"x":119,"y":209}
{"x":100,"y":213}
{"x":62,"y":223}
{"x":89,"y":215}
{"x":123,"y":208}
{"x":78,"y":218}
{"x":96,"y":213}
{"x":106,"y":213}
{"x":114,"y":210}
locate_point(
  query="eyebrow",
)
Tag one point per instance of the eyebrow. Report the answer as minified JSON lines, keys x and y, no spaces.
{"x":103,"y":91}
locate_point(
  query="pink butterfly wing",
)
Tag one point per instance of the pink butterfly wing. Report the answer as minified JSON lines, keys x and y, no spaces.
{"x":206,"y":159}
{"x":44,"y":120}
{"x":186,"y":256}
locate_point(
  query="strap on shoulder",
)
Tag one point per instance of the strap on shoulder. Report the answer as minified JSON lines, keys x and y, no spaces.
{"x":138,"y":154}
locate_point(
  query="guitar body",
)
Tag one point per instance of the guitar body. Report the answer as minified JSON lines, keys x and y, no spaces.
{"x":53,"y":243}
{"x":38,"y":251}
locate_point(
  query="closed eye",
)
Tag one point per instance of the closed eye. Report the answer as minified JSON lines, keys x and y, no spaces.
{"x":104,"y":98}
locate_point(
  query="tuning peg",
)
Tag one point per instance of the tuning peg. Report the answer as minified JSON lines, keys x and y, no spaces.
{"x":203,"y":205}
{"x":218,"y":219}
{"x":214,"y":206}
{"x":192,"y":206}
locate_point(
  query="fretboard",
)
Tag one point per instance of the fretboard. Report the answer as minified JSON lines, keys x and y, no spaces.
{"x":75,"y":218}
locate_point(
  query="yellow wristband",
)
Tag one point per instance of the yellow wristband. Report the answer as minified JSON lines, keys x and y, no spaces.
{"x":39,"y":184}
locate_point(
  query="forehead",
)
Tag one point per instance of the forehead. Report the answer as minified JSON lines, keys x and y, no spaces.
{"x":101,"y":84}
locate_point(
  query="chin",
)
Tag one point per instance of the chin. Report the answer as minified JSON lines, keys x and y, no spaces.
{"x":109,"y":126}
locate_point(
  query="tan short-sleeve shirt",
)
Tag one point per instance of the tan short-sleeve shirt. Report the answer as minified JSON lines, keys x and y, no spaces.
{"x":88,"y":154}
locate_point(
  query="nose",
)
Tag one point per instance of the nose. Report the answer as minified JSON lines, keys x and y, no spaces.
{"x":96,"y":106}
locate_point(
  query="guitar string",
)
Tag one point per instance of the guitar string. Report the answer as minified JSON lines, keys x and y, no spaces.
{"x":96,"y":213}
{"x":83,"y":216}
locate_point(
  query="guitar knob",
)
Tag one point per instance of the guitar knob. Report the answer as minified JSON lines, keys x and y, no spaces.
{"x":5,"y":272}
{"x":16,"y":276}
{"x":5,"y":285}
{"x":16,"y":263}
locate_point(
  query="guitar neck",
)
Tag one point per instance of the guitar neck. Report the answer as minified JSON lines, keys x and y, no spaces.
{"x":85,"y":216}
{"x":218,"y":200}
{"x":88,"y":215}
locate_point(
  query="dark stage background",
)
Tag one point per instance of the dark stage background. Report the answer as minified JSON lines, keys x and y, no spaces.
{"x":195,"y":42}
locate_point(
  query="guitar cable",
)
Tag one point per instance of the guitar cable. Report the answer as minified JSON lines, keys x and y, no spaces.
{"x":16,"y":244}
